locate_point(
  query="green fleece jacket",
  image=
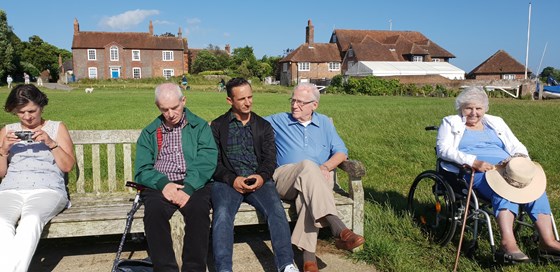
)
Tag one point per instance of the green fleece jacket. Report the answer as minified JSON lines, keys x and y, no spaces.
{"x":199,"y":150}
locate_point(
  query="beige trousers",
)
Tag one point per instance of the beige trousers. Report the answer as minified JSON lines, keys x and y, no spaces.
{"x":313,"y":195}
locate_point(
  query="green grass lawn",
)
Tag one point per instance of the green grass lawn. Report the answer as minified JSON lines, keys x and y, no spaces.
{"x":385,"y":133}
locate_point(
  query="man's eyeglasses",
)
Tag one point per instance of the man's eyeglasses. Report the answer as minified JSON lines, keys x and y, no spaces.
{"x":299,"y":102}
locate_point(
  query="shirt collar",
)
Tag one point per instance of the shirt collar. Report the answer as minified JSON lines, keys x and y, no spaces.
{"x":314,"y":120}
{"x":182,"y":123}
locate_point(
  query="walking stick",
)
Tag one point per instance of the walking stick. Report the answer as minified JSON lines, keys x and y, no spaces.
{"x":464,"y":221}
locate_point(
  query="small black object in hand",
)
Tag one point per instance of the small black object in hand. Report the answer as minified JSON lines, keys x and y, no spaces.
{"x":250,"y":181}
{"x":24,"y":135}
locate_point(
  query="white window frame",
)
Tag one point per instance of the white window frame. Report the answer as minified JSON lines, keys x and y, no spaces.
{"x":92,"y":54}
{"x":334,"y":66}
{"x":417,"y":58}
{"x":136,"y":55}
{"x":304,"y":66}
{"x":114,"y":53}
{"x":508,"y":76}
{"x":167,"y":55}
{"x":135,"y":71}
{"x":167,"y":73}
{"x":92,"y":72}
{"x":436,"y":60}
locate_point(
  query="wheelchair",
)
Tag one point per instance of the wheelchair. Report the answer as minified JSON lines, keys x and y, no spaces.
{"x":437,"y":201}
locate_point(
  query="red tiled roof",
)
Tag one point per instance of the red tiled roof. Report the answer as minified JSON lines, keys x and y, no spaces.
{"x":128,"y":40}
{"x":318,"y":52}
{"x":403,"y":42}
{"x":499,"y":63}
{"x":371,"y":50}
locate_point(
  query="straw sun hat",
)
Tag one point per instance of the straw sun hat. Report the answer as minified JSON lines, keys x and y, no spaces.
{"x":520,"y":180}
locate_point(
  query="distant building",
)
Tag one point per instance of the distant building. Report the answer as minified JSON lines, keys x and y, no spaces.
{"x":373,"y":50}
{"x":105,"y":55}
{"x":310,"y":62}
{"x":499,"y":66}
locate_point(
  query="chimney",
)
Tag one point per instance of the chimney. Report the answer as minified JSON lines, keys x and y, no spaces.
{"x":309,"y":33}
{"x":76,"y":26}
{"x":59,"y":60}
{"x":151,"y":28}
{"x":228,"y":49}
{"x":180,"y":34}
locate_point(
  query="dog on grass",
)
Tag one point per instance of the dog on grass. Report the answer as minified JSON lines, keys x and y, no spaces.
{"x":89,"y":90}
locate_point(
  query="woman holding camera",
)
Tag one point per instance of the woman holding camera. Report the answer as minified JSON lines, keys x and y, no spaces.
{"x":34,"y":155}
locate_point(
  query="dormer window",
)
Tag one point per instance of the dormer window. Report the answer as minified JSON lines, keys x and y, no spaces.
{"x":351,"y":53}
{"x":417,"y":58}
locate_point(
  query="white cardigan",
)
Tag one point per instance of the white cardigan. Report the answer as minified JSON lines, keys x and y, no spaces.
{"x":452,"y":129}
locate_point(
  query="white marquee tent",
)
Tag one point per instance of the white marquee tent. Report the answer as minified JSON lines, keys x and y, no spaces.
{"x":405,"y":68}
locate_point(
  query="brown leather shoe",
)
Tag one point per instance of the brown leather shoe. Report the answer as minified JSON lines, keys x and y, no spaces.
{"x":310,"y":267}
{"x":349,"y":240}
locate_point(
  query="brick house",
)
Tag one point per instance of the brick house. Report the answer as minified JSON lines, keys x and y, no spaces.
{"x":105,"y":55}
{"x":317,"y":62}
{"x":499,"y":66}
{"x":310,"y":62}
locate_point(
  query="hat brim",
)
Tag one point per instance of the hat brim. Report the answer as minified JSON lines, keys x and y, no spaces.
{"x":517,"y":195}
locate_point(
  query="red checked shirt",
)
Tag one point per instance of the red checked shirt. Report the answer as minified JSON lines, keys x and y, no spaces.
{"x":171,"y":161}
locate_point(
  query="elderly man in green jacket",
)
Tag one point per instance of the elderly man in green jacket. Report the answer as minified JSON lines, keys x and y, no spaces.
{"x":175,"y":157}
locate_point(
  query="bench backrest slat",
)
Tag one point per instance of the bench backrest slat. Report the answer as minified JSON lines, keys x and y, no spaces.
{"x":111,"y":168}
{"x":80,"y":183}
{"x":95,"y":166}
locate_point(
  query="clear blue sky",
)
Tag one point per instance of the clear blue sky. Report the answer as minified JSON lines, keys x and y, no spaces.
{"x":471,"y":30}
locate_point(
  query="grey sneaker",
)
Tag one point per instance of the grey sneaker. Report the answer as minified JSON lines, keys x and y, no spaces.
{"x":291,"y":268}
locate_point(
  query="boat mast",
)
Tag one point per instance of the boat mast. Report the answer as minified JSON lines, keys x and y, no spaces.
{"x":528,"y":36}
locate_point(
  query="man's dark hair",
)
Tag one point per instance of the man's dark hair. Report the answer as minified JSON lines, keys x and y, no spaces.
{"x":235,"y":82}
{"x":22,"y":94}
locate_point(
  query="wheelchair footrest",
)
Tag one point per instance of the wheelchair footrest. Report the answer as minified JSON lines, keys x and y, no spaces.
{"x":507,"y":258}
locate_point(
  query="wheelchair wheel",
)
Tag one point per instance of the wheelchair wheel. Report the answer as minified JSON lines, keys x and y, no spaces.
{"x":431,"y":203}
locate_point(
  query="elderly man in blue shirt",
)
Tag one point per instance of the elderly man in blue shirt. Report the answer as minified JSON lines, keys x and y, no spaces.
{"x":308,"y":149}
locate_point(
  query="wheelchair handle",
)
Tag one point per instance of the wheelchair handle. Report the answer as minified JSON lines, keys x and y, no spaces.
{"x":135,"y":185}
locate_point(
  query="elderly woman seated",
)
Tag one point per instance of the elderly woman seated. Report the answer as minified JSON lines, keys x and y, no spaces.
{"x":504,"y":174}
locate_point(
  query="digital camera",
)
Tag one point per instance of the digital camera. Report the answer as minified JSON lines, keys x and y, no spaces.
{"x":24,"y":135}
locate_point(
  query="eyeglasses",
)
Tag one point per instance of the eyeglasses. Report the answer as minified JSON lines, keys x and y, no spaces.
{"x":299,"y":102}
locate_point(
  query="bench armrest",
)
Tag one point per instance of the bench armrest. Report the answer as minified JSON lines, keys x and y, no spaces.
{"x":356,"y":171}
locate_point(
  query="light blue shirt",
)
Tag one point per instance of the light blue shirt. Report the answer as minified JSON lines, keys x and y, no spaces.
{"x":294,"y":142}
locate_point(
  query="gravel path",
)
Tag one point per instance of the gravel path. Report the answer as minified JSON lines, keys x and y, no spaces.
{"x":252,"y":252}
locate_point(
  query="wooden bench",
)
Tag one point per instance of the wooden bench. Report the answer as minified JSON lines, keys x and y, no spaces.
{"x":100,"y":201}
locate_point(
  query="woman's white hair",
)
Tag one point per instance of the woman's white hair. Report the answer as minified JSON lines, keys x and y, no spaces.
{"x":471,"y":95}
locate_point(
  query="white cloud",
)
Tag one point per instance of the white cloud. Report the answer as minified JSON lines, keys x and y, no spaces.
{"x":159,"y":22}
{"x":127,"y":19}
{"x":193,"y":25}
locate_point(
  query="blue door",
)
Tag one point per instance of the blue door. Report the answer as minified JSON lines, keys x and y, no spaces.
{"x":115,"y":72}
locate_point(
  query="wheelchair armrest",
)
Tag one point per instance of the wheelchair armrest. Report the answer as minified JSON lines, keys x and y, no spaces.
{"x":463,"y":168}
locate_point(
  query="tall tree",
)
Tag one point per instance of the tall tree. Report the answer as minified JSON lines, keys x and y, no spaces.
{"x":40,"y":56}
{"x":7,"y":51}
{"x":205,"y":61}
{"x":243,"y":61}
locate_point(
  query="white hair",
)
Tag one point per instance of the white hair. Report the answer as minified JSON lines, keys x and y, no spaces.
{"x":168,"y":89}
{"x":308,"y":88}
{"x":471,"y":95}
